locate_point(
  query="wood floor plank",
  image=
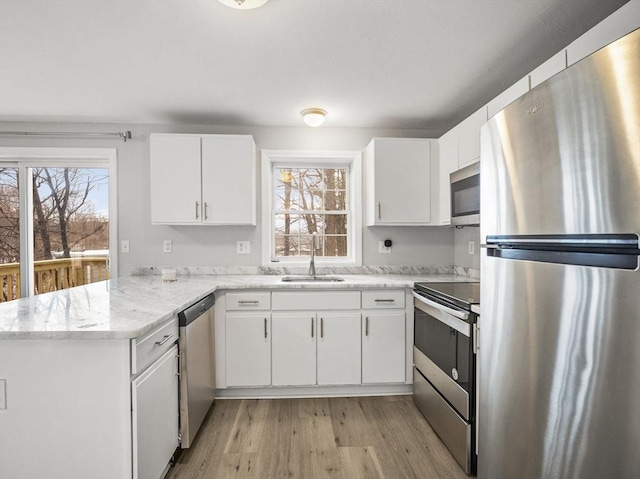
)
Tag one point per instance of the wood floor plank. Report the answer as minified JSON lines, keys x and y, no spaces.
{"x":360,"y":463}
{"x":324,"y":438}
{"x":247,"y":429}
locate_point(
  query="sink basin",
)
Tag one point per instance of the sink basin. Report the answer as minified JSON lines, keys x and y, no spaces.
{"x":311,"y":279}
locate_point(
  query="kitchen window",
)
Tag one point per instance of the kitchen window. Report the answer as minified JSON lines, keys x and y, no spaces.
{"x":307,"y":193}
{"x":57,"y":219}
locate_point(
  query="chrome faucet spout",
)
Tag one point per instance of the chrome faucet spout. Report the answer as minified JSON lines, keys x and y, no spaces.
{"x":312,"y":262}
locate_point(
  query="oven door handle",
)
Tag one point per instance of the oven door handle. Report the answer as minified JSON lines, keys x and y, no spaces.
{"x":450,"y":317}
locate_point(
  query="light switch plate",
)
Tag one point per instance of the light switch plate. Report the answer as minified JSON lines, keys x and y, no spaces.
{"x":124,"y":246}
{"x":167,"y":246}
{"x":472,"y":247}
{"x":243,"y":247}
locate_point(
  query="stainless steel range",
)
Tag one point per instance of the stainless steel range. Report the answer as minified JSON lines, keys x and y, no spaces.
{"x":444,"y":358}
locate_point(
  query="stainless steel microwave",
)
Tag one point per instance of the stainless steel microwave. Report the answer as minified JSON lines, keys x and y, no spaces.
{"x":465,"y":196}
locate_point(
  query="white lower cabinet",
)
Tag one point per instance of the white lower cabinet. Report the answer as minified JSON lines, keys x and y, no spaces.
{"x":154,"y":398}
{"x":316,"y":348}
{"x":294,"y":349}
{"x":248,"y":348}
{"x":339,"y":358}
{"x":383,"y":346}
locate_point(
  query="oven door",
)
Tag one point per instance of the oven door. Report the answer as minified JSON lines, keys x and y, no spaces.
{"x":443,"y":352}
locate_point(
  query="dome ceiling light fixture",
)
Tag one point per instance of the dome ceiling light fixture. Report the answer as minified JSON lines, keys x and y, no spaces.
{"x":313,"y":116}
{"x":243,"y":4}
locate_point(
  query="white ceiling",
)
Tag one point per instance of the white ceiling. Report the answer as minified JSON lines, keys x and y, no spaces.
{"x":371,"y":63}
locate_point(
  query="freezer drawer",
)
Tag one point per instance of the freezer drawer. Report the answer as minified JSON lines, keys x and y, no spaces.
{"x":454,"y":431}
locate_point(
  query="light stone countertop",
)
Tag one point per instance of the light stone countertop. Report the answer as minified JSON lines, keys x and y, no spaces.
{"x":130,"y":307}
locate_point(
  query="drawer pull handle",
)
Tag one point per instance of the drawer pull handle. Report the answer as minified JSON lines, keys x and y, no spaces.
{"x":385,"y":300}
{"x":164,"y":339}
{"x":246,"y":302}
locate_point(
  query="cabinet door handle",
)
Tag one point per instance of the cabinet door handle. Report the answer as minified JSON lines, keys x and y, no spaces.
{"x":366,"y":326}
{"x":164,"y":339}
{"x":312,"y":328}
{"x":322,"y":327}
{"x":379,"y":211}
{"x":206,"y":216}
{"x":265,"y":328}
{"x":197,"y":209}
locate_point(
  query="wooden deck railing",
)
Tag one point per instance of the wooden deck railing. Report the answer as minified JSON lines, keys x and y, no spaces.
{"x":53,"y":275}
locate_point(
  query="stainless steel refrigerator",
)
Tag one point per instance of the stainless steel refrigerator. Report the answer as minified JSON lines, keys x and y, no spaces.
{"x":559,"y":346}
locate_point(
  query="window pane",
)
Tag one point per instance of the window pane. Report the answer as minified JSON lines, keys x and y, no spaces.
{"x":9,"y":235}
{"x":287,"y":197}
{"x":287,"y":245}
{"x":287,"y":223}
{"x":335,"y":246}
{"x":71,"y":227}
{"x":335,"y":224}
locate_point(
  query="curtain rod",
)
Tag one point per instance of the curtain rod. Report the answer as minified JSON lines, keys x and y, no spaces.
{"x":125,"y":135}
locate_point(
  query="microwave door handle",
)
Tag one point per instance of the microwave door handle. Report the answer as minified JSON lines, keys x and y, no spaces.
{"x":458,"y":314}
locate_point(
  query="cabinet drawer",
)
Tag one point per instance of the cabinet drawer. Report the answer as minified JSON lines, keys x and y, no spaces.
{"x":383,"y":299}
{"x":248,"y":301}
{"x":316,"y":300}
{"x":147,"y":348}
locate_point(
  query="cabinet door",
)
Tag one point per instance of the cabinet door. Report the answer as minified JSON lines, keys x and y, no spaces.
{"x":398,"y":181}
{"x":175,"y":179}
{"x":248,"y":349}
{"x":339,"y":353}
{"x":155,"y":416}
{"x":448,"y":164}
{"x":383,"y":347}
{"x":228,"y":180}
{"x":294,"y":349}
{"x":469,"y":137}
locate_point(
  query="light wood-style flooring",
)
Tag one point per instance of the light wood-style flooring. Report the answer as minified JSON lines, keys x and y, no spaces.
{"x":347,"y":438}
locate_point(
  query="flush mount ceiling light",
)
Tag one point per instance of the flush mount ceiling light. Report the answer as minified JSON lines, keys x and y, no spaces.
{"x":243,"y":4}
{"x":313,"y":116}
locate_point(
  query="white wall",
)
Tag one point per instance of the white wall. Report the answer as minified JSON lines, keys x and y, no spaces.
{"x":215,"y":245}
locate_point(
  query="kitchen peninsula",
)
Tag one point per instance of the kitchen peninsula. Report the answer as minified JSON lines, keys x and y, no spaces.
{"x":72,"y":359}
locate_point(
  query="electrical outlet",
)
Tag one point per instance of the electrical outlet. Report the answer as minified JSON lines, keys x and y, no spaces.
{"x":382,"y":248}
{"x":472,"y":247}
{"x":243,"y":247}
{"x":124,"y":246}
{"x":3,"y":394}
{"x":166,"y":246}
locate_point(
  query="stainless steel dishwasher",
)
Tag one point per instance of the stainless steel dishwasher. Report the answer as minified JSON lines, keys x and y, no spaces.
{"x":197,"y":367}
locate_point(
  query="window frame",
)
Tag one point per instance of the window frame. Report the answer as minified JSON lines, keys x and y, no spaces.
{"x":352,"y":160}
{"x":26,"y":158}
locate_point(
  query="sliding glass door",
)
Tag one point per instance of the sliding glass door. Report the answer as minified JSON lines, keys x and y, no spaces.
{"x":57,"y":220}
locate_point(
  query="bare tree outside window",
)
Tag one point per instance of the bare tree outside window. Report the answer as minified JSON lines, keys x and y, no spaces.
{"x":307,"y":201}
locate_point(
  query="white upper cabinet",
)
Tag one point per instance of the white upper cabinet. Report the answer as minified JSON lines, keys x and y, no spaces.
{"x":175,"y":179}
{"x":228,"y":180}
{"x":511,"y":94}
{"x":619,"y":23}
{"x":469,"y":137}
{"x":448,"y":163}
{"x":398,"y":181}
{"x":203,"y":179}
{"x":553,"y":65}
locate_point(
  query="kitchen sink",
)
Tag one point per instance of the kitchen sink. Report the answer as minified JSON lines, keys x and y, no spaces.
{"x":311,"y":279}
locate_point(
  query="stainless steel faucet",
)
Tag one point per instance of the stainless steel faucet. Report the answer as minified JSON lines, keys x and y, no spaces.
{"x":312,"y":262}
